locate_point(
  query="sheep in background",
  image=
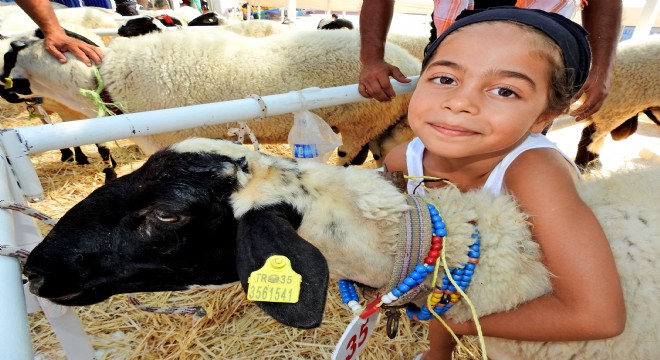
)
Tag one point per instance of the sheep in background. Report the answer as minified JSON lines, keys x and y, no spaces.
{"x":87,"y":17}
{"x":256,"y":28}
{"x":53,"y":106}
{"x":146,"y":24}
{"x":338,"y":24}
{"x":215,"y":211}
{"x":415,"y":44}
{"x":635,"y":89}
{"x":238,"y":66}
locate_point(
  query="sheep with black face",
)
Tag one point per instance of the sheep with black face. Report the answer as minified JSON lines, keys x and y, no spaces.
{"x":210,"y":212}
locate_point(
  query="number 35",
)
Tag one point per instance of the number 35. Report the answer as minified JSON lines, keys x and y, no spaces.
{"x":352,"y":345}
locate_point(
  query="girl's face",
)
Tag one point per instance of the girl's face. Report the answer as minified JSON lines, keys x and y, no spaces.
{"x":485,"y":88}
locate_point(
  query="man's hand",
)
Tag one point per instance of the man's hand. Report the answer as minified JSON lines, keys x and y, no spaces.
{"x":375,"y":80}
{"x":59,"y":43}
{"x":596,"y":89}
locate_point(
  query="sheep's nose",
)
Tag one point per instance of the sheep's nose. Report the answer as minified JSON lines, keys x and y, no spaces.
{"x":36,"y":282}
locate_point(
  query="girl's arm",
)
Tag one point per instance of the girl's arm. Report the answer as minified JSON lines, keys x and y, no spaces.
{"x":396,"y":158}
{"x":587,"y":300}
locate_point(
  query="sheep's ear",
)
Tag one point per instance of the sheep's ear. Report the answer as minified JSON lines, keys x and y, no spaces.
{"x":272,"y":231}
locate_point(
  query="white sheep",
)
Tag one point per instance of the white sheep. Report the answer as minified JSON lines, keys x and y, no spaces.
{"x":66,"y":113}
{"x":256,"y":28}
{"x":14,"y":18}
{"x":227,"y":66}
{"x":241,"y":206}
{"x":635,"y":89}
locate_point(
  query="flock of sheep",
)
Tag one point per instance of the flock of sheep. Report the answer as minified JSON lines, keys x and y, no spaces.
{"x":237,"y":59}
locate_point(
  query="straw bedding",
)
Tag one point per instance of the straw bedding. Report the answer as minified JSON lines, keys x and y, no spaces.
{"x":232,"y":329}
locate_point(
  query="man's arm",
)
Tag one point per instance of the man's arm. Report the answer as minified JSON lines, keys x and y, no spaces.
{"x":56,"y":41}
{"x":375,"y":19}
{"x":602,"y":19}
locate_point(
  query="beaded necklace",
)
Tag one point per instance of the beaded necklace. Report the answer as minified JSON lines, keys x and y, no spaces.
{"x":443,"y":297}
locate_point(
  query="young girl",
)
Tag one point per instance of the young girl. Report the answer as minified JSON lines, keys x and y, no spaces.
{"x":489,"y":85}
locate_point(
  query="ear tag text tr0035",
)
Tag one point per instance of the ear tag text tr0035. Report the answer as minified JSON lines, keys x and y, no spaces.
{"x":274,"y":282}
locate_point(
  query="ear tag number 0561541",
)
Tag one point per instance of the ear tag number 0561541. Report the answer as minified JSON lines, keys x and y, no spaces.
{"x":355,"y":337}
{"x":274,"y":282}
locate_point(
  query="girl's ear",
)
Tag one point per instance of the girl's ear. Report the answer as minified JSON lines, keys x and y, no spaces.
{"x":543,"y":121}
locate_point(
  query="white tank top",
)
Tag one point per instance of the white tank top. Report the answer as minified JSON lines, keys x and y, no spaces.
{"x":495,"y":181}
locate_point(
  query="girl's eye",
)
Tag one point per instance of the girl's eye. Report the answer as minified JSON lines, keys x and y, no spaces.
{"x":504,"y":92}
{"x":444,"y":80}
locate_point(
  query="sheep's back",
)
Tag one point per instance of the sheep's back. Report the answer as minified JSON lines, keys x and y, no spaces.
{"x":220,"y":66}
{"x":635,"y":83}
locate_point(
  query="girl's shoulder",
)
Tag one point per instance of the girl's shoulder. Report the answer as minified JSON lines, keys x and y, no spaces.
{"x":540,"y":173}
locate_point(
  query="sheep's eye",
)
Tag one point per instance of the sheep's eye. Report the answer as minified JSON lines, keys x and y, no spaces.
{"x":166,"y":216}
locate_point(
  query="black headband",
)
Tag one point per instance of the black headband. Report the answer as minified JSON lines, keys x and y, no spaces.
{"x":571,"y":37}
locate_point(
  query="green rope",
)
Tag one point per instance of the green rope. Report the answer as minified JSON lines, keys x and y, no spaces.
{"x":95,"y":96}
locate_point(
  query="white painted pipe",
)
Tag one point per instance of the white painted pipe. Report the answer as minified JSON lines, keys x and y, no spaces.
{"x":646,"y":19}
{"x":15,"y":343}
{"x":41,"y":138}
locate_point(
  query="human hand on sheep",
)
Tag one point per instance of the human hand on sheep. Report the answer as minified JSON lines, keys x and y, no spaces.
{"x":375,"y":80}
{"x":57,"y":43}
{"x":594,"y":91}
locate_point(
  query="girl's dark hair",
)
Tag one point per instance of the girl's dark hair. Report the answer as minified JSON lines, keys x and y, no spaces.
{"x":568,"y":36}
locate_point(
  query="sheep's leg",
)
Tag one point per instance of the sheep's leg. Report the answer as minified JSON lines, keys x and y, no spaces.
{"x":584,"y":157}
{"x":651,"y":115}
{"x":110,"y":163}
{"x":374,"y":147}
{"x":66,"y":155}
{"x":81,"y":158}
{"x":626,"y":129}
{"x":361,"y":156}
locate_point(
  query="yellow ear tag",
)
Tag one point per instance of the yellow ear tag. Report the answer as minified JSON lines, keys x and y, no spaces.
{"x":9,"y":83}
{"x":274,"y":282}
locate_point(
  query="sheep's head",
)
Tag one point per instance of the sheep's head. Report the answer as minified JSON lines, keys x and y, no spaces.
{"x":170,"y":225}
{"x":140,"y":26}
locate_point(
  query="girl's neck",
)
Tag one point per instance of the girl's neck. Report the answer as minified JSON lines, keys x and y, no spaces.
{"x":466,"y":173}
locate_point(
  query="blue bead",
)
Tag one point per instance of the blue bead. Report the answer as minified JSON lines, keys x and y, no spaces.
{"x":469,"y":266}
{"x":451,"y":288}
{"x":421,"y":269}
{"x":430,"y":206}
{"x":475,"y":247}
{"x":443,"y":287}
{"x":410,"y":281}
{"x":415,"y":275}
{"x":396,"y":292}
{"x":464,"y":284}
{"x":434,"y":211}
{"x":441,"y":232}
{"x":436,"y":218}
{"x":439,"y":224}
{"x":429,"y":268}
{"x":458,"y":278}
{"x":468,"y":272}
{"x":403,"y":287}
{"x":473,"y":254}
{"x":459,"y":271}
